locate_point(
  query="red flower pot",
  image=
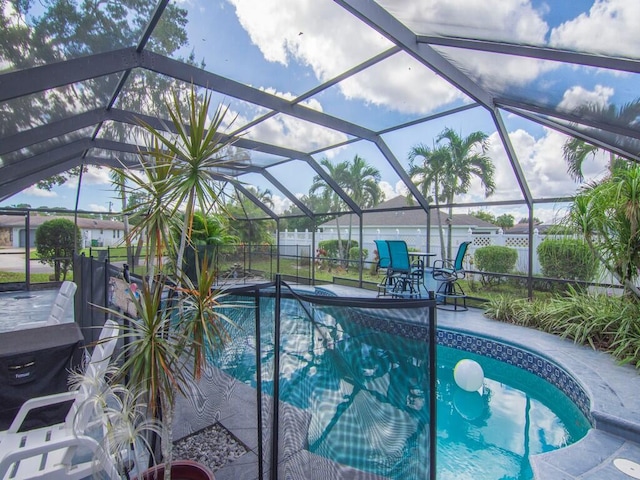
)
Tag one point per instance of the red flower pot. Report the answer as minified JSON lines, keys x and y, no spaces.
{"x":180,"y":470}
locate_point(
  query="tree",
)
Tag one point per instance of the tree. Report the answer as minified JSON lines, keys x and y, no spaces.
{"x":576,"y":151}
{"x":467,"y":160}
{"x":330,"y":197}
{"x":56,"y":242}
{"x":486,"y":216}
{"x":428,"y":175}
{"x":194,"y":154}
{"x":175,"y":172}
{"x":505,"y":221}
{"x":448,"y":169}
{"x":212,"y":230}
{"x":608,"y":216}
{"x":536,"y":220}
{"x":316,"y":203}
{"x":245,"y":221}
{"x":118,"y":180}
{"x":361,"y":182}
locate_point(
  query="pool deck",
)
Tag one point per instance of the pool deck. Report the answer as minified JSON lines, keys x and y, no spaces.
{"x":614,"y":391}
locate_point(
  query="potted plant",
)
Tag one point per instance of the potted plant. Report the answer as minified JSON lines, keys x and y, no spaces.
{"x":176,"y":320}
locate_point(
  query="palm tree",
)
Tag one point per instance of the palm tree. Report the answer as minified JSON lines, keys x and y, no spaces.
{"x":337,"y":173}
{"x":176,"y":171}
{"x":607,"y":213}
{"x":467,"y":160}
{"x":429,"y":176}
{"x":361,"y":181}
{"x":576,"y":151}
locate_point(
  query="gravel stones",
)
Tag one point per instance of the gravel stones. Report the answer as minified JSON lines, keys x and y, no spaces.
{"x":213,"y":446}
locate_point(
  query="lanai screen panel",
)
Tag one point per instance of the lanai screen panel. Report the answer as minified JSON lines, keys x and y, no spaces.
{"x":54,"y":104}
{"x":540,"y":152}
{"x":41,"y":33}
{"x":285,"y":58}
{"x":396,"y":90}
{"x":24,"y":154}
{"x":296,"y":133}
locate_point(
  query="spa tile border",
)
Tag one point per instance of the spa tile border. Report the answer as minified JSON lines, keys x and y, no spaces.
{"x":487,"y":347}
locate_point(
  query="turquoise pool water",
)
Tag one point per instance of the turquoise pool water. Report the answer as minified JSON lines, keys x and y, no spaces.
{"x":366,"y":397}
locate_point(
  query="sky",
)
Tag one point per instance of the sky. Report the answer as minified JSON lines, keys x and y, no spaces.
{"x":307,"y":42}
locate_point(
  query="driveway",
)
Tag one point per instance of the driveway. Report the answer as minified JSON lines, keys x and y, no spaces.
{"x":13,"y":260}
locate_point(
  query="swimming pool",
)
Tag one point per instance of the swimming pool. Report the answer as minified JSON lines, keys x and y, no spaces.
{"x":365,"y":394}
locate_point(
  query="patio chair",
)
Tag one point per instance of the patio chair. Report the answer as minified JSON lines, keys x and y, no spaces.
{"x":63,"y":450}
{"x":61,"y":304}
{"x":447,"y":273}
{"x":384,"y":262}
{"x":407,"y":277}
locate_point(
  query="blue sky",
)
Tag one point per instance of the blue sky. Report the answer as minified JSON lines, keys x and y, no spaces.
{"x":286,"y":47}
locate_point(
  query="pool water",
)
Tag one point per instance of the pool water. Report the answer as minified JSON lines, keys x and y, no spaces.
{"x":366,"y":395}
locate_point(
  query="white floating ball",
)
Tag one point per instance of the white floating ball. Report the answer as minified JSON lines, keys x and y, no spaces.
{"x":469,"y":375}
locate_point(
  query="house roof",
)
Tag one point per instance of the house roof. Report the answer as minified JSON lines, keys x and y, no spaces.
{"x":523,"y":228}
{"x":9,"y":221}
{"x":395,"y":212}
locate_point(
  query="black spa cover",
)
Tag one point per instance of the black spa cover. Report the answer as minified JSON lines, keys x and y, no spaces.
{"x":36,"y":362}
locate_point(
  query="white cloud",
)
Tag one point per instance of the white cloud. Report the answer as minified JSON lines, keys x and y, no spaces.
{"x":287,"y":131}
{"x":294,"y":133}
{"x":610,"y":26}
{"x":487,"y":19}
{"x":38,"y":192}
{"x":578,"y":96}
{"x":542,"y":163}
{"x":319,"y":34}
{"x":514,"y":21}
{"x":280,"y":204}
{"x":94,"y":207}
{"x":92,"y":176}
{"x":330,"y":40}
{"x":388,"y":190}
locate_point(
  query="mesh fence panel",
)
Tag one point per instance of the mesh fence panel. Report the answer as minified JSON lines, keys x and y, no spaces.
{"x":354,"y":388}
{"x":353,"y":379}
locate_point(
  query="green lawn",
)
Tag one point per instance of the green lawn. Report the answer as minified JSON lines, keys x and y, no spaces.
{"x":16,"y":277}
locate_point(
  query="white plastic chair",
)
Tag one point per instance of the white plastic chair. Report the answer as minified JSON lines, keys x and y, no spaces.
{"x":62,"y":302}
{"x":58,"y":312}
{"x":61,"y":451}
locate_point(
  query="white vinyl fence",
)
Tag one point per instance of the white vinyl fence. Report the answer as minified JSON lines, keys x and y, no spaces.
{"x":300,"y":243}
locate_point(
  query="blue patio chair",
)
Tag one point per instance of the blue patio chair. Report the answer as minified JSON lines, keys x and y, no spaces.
{"x":406,"y":276}
{"x":384,"y":262}
{"x":448,"y":272}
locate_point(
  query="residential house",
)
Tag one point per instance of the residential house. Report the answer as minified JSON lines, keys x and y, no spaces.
{"x":94,"y":232}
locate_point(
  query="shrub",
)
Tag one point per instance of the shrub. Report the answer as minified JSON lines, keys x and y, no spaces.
{"x":567,"y":258}
{"x":495,"y":259}
{"x":331,"y":247}
{"x":354,"y":253}
{"x":607,"y":323}
{"x":55,"y":245}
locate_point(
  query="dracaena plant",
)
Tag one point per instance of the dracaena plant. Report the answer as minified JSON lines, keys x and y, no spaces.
{"x":178,"y":321}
